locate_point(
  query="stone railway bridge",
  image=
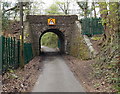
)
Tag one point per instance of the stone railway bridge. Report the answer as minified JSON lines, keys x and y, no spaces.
{"x":67,"y":28}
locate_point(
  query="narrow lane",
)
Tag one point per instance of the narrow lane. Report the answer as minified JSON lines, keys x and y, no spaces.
{"x":56,"y":76}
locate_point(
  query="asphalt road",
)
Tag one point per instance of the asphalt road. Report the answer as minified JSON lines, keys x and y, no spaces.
{"x":56,"y":76}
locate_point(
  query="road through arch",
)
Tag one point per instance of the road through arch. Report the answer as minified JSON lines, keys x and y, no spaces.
{"x":60,"y":36}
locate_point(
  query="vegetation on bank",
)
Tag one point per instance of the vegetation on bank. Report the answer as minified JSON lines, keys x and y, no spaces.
{"x":107,"y":64}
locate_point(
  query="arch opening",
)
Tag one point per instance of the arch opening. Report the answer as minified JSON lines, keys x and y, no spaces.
{"x":60,"y":38}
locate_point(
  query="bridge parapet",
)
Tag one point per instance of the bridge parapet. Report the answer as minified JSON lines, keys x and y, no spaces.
{"x":60,"y":19}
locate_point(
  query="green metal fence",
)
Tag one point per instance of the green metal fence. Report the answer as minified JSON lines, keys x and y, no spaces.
{"x":59,"y":43}
{"x":11,"y":53}
{"x":91,"y":26}
{"x":0,"y":54}
{"x":28,"y":55}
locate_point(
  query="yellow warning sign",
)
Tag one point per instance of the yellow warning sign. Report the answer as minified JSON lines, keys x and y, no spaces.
{"x":51,"y":21}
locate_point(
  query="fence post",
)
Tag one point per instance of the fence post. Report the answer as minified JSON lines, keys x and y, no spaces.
{"x":11,"y":50}
{"x":14,"y":50}
{"x":7,"y":53}
{"x":1,"y":54}
{"x":8,"y":63}
{"x":18,"y":51}
{"x":3,"y":51}
{"x":16,"y":63}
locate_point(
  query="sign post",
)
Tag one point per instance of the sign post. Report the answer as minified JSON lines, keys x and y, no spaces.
{"x":21,"y":37}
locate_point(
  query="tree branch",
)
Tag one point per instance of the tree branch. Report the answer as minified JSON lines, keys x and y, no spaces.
{"x":16,"y":6}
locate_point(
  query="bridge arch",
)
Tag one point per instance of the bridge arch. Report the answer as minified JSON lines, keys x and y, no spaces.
{"x":60,"y":36}
{"x":65,"y":28}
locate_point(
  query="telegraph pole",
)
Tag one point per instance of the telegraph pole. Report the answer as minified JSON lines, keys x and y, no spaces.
{"x":21,"y":36}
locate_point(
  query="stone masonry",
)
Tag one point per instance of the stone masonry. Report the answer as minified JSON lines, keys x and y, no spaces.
{"x":36,"y":26}
{"x":66,"y":28}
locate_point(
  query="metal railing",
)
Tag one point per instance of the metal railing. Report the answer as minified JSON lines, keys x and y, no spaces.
{"x":11,"y":53}
{"x":91,"y":26}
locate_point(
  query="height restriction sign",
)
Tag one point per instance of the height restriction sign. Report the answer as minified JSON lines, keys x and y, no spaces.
{"x":51,"y":21}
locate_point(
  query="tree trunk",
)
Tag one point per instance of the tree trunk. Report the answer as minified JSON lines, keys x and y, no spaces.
{"x":113,"y":21}
{"x":104,"y":14}
{"x":93,"y":3}
{"x":86,"y":9}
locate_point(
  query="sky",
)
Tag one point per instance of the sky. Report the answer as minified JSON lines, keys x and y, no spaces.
{"x":74,"y":7}
{"x":40,"y":10}
{"x":47,"y":2}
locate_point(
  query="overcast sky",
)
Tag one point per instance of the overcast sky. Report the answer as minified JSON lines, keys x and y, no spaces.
{"x":47,"y":3}
{"x":74,"y":7}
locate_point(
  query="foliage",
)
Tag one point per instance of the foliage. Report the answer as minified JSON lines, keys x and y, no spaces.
{"x":59,"y":8}
{"x":53,"y":9}
{"x":10,"y":12}
{"x":85,"y":8}
{"x":5,"y":16}
{"x":64,"y":6}
{"x":50,"y":39}
{"x":107,"y":63}
{"x":34,"y":7}
{"x":96,"y":38}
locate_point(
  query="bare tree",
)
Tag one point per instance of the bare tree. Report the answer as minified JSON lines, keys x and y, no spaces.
{"x":64,"y":6}
{"x":84,"y":6}
{"x":93,"y":6}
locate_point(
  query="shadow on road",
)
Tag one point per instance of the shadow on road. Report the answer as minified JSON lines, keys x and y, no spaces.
{"x":51,"y":54}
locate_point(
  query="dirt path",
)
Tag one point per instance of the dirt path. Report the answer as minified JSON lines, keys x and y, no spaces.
{"x":83,"y":71}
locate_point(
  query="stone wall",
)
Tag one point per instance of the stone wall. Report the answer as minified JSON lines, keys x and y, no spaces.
{"x":38,"y":25}
{"x":78,"y":46}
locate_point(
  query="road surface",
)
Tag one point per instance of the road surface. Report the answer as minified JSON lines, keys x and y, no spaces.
{"x":56,"y":76}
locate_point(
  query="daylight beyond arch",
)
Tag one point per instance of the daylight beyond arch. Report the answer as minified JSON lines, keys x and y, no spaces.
{"x":60,"y":38}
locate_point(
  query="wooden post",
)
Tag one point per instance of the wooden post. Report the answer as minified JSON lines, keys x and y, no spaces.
{"x":21,"y":37}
